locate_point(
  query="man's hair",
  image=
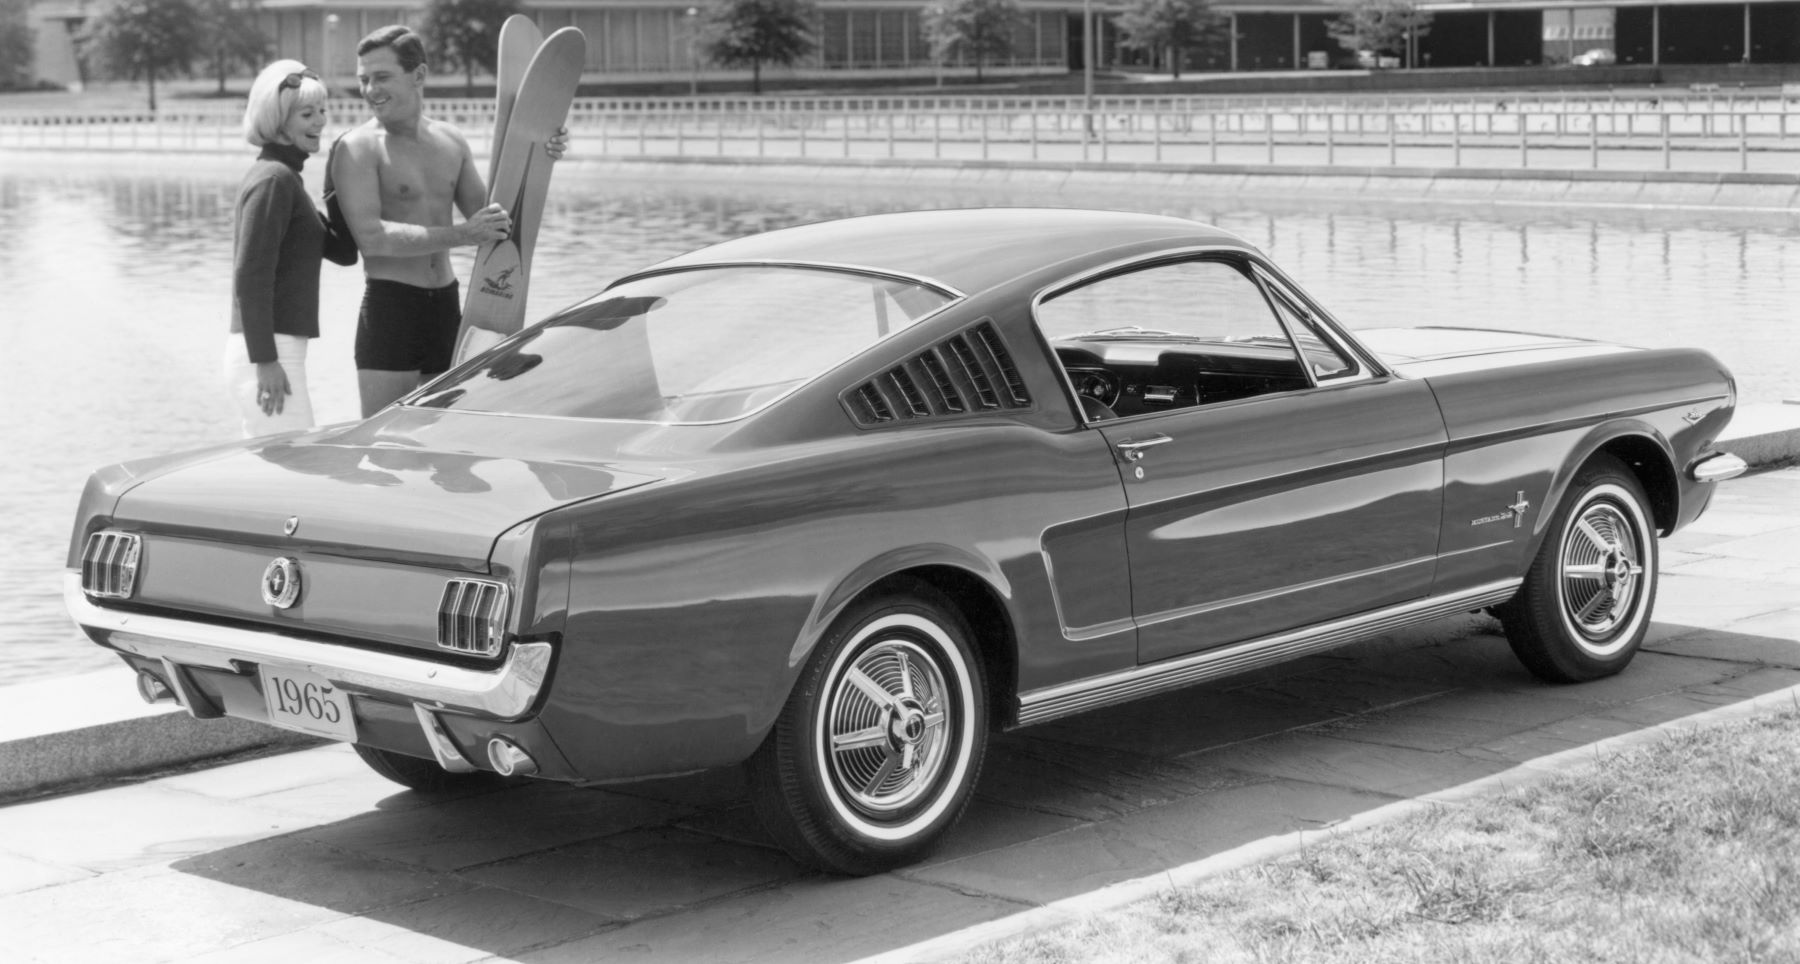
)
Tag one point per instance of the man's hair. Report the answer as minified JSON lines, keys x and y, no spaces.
{"x":409,"y":47}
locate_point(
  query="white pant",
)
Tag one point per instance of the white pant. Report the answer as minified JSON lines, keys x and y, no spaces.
{"x":240,"y":382}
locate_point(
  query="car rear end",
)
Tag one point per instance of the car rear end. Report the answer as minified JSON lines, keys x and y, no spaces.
{"x":397,"y":595}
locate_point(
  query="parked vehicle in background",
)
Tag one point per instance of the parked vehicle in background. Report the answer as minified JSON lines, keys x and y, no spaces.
{"x":1597,"y":57}
{"x":835,"y":501}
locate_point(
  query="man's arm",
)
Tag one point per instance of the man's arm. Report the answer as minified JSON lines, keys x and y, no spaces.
{"x":355,"y":176}
{"x":471,"y":194}
{"x":468,"y":189}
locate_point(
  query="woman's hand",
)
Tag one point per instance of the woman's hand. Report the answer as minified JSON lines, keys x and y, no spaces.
{"x":272,"y":387}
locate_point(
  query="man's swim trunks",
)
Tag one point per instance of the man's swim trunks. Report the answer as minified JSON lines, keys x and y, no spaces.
{"x":404,"y":328}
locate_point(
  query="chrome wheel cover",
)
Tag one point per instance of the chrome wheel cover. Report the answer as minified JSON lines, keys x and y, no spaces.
{"x":886,"y":727}
{"x":1602,"y":574}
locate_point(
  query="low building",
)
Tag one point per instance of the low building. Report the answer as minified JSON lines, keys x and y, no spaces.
{"x":635,"y":40}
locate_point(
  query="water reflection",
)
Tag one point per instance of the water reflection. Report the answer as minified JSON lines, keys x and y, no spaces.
{"x":117,"y":297}
{"x":330,"y":461}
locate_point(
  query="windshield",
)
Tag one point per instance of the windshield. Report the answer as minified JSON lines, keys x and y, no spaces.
{"x":691,"y":346}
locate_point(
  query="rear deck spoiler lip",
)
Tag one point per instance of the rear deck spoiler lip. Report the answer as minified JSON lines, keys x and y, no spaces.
{"x":505,"y":692}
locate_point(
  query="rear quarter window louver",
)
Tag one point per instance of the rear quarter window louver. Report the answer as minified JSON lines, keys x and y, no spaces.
{"x":968,"y":373}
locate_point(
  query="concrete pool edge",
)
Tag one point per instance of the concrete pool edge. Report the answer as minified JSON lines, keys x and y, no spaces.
{"x":1760,"y":192}
{"x":1755,"y":191}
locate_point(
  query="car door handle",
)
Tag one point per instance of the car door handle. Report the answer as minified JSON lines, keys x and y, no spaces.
{"x":1132,"y":450}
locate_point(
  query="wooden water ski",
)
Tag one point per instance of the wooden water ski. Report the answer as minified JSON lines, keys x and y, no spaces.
{"x":519,"y":41}
{"x":495,"y":306}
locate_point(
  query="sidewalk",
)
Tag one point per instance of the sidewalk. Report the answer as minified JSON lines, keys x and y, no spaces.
{"x":310,"y":854}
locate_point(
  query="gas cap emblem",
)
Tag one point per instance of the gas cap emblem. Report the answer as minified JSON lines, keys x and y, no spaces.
{"x":281,"y":583}
{"x":288,"y":527}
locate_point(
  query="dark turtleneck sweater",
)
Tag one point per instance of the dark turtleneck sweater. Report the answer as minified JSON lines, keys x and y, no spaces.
{"x":280,"y":241}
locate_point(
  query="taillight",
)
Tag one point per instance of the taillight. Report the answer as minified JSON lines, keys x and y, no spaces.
{"x":472,"y":616}
{"x":109,"y":564}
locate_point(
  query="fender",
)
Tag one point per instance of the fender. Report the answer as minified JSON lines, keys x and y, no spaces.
{"x":832,"y":604}
{"x":1590,"y":444}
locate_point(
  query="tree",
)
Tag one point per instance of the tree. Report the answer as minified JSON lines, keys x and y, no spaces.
{"x":1175,"y":26}
{"x":1381,"y":26}
{"x":465,"y":35}
{"x":750,"y":33}
{"x":144,"y":38}
{"x":229,"y":38}
{"x":977,"y":29}
{"x":15,"y":45}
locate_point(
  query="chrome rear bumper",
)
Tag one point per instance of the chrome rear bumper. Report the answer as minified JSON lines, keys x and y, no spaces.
{"x":505,"y":692}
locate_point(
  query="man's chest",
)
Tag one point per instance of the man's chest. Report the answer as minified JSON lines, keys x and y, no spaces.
{"x":411,"y":174}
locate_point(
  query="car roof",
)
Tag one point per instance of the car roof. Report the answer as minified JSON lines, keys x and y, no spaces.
{"x":967,"y":250}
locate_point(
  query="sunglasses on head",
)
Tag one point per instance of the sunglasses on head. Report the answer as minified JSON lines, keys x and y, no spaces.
{"x":293,"y":80}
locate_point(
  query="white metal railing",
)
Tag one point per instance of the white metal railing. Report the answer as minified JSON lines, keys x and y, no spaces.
{"x":1565,"y":102}
{"x":1628,"y":133}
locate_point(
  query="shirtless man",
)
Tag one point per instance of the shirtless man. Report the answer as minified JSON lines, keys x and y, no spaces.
{"x":397,"y":178}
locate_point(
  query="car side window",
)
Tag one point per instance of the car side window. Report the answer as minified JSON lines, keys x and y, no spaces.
{"x":1169,"y":336}
{"x":1323,"y":355}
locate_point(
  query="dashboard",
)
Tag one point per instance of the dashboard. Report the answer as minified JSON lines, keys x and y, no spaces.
{"x":1136,"y":379}
{"x":1098,"y":384}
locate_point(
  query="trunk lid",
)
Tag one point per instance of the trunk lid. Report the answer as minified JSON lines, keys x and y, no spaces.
{"x":407,"y":486}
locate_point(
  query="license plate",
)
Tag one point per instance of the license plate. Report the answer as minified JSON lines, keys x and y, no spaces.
{"x":307,"y":702}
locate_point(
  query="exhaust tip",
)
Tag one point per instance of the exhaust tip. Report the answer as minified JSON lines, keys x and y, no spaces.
{"x":509,"y":759}
{"x":153,"y":689}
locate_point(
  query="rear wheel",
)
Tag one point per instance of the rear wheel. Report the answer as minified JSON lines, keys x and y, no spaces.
{"x":1585,"y":605}
{"x":878,"y":749}
{"x":424,"y":776}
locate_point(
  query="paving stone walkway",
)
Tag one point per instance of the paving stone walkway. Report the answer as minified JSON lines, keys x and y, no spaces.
{"x":309,"y":855}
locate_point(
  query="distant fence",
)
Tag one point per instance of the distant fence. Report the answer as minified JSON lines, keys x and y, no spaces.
{"x":1640,"y":131}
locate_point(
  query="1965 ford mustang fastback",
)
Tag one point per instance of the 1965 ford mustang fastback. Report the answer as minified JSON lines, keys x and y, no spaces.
{"x":835,"y":501}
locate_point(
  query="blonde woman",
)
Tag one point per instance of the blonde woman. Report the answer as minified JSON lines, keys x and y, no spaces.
{"x":280,"y":239}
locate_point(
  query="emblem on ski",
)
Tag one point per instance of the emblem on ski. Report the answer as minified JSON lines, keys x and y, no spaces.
{"x":530,"y":104}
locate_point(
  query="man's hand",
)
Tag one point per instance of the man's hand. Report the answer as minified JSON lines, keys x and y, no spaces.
{"x":491,"y":223}
{"x":558,"y":144}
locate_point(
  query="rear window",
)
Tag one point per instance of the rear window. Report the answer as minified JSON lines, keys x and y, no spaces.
{"x":703,"y":345}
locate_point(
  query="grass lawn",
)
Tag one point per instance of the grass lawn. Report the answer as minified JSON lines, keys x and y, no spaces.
{"x":1687,"y":849}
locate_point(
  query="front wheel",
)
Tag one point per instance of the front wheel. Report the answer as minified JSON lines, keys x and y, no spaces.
{"x":1585,"y":605}
{"x":877,"y":751}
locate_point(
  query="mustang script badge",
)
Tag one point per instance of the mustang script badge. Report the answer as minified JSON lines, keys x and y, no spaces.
{"x":281,"y":583}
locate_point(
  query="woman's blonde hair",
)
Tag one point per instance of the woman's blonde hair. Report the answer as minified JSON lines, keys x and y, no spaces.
{"x":268,"y":109}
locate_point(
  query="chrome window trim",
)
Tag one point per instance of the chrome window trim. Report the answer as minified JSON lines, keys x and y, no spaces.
{"x":953,"y":295}
{"x":1369,"y":367}
{"x":507,"y":691}
{"x":840,"y":267}
{"x":1371,"y":364}
{"x":1282,"y":292}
